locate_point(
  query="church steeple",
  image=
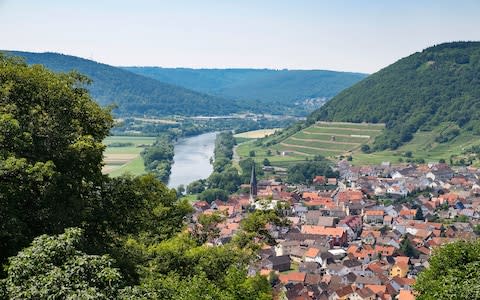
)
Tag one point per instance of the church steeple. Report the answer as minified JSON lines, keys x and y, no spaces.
{"x":253,"y":183}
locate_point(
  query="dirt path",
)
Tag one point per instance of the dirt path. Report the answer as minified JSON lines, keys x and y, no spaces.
{"x":326,"y":142}
{"x":313,"y":148}
{"x":334,"y":134}
{"x":350,"y":129}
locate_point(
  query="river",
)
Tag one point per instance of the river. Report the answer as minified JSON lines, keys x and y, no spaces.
{"x":192,"y":159}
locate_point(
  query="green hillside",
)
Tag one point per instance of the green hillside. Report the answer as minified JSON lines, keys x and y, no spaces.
{"x":328,"y":139}
{"x":261,"y":90}
{"x":132,"y":93}
{"x":428,"y":89}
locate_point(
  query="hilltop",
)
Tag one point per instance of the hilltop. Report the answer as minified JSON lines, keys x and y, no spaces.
{"x":426,"y":107}
{"x":261,"y":90}
{"x":132,"y":93}
{"x":436,"y":88}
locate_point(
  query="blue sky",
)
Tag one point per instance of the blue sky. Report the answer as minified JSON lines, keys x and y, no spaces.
{"x":346,"y":35}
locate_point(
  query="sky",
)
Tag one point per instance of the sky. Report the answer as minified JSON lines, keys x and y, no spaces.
{"x":345,"y":35}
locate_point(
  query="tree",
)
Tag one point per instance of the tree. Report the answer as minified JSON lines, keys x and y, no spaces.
{"x":51,"y":152}
{"x":419,"y":214}
{"x":251,"y":153}
{"x":54,"y":267}
{"x":211,"y":195}
{"x":180,"y":190}
{"x":196,"y":187}
{"x":453,"y":273}
{"x":305,"y":172}
{"x":206,"y":228}
{"x":407,"y":249}
{"x":266,"y":162}
{"x":365,"y":148}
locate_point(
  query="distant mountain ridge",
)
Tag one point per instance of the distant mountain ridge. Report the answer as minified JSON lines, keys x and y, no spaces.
{"x":437,"y":86}
{"x":159,"y":92}
{"x":256,"y":86}
{"x":132,"y":93}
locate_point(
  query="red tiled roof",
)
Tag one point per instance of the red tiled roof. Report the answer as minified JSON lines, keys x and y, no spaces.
{"x":292,"y":277}
{"x":322,"y":230}
{"x":312,"y":252}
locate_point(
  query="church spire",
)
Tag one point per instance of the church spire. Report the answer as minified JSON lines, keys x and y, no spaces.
{"x":253,"y":183}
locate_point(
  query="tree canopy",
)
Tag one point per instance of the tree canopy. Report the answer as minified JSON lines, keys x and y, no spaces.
{"x":454,"y":273}
{"x":97,"y":237}
{"x":51,"y":151}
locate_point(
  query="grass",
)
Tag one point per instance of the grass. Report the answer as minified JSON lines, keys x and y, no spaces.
{"x":317,"y":140}
{"x":120,"y":160}
{"x":189,"y":198}
{"x":422,"y":146}
{"x":329,"y":139}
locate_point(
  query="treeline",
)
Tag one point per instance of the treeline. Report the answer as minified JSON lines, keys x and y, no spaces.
{"x":69,"y":232}
{"x":419,"y":92}
{"x":190,"y":127}
{"x":225,"y":178}
{"x":259,"y":90}
{"x":133,"y":94}
{"x":158,"y":158}
{"x":305,"y":172}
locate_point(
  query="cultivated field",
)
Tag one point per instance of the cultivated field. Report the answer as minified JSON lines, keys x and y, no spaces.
{"x":123,"y":154}
{"x":256,"y":134}
{"x":423,"y":146}
{"x":329,"y":139}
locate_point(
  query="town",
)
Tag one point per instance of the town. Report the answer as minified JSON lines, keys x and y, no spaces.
{"x":364,"y":235}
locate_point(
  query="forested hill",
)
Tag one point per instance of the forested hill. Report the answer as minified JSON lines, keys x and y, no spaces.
{"x":283,"y":87}
{"x":440,"y":84}
{"x":132,"y":93}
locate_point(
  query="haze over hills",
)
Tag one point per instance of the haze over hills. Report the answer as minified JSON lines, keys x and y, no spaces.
{"x":287,"y":88}
{"x":132,"y":93}
{"x":438,"y":88}
{"x":160,"y":92}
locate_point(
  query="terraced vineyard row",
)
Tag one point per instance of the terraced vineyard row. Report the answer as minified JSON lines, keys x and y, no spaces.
{"x":330,"y":138}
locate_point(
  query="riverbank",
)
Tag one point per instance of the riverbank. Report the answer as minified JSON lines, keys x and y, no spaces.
{"x":191,"y":161}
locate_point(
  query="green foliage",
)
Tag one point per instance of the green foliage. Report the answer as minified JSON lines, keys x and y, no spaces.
{"x":246,"y":167}
{"x":181,"y":269}
{"x":407,"y":249}
{"x":254,"y":232}
{"x":196,"y":187}
{"x":54,"y":267}
{"x":454,"y":273}
{"x":133,"y":94}
{"x":259,"y":90}
{"x":50,"y":169}
{"x":225,"y":177}
{"x":158,"y":158}
{"x":419,"y":214}
{"x":206,"y":228}
{"x":213,"y":194}
{"x":365,"y":148}
{"x":51,"y":148}
{"x":304,"y":172}
{"x":418,"y":92}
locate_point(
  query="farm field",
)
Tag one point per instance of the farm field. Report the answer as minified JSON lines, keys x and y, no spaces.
{"x":122,"y":155}
{"x":256,"y":134}
{"x":329,"y":139}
